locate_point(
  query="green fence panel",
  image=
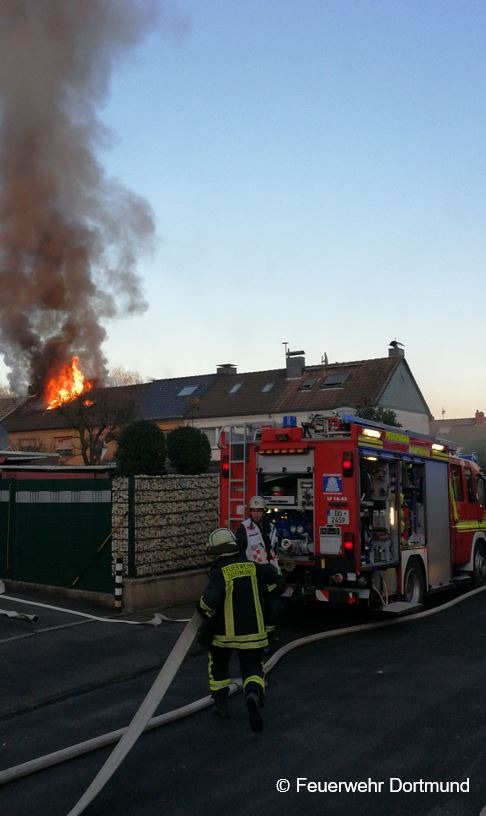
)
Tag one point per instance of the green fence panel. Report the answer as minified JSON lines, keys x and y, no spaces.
{"x":60,"y":534}
{"x":6,"y":529}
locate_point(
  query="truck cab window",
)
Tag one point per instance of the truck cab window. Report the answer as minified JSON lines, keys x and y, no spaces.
{"x":456,"y":481}
{"x":482,"y":490}
{"x":471,"y":493}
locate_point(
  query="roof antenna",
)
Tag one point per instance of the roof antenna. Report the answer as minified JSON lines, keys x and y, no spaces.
{"x":285,"y":343}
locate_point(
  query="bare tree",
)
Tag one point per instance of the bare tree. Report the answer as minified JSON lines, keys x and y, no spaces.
{"x":122,"y":376}
{"x":97,"y":417}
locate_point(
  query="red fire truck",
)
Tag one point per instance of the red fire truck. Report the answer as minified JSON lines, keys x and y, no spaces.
{"x":363,"y":512}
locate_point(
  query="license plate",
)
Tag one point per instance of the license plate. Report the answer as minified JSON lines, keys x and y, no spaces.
{"x":338,"y":516}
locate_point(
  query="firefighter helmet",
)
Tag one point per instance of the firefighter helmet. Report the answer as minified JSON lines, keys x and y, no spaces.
{"x":257,"y":503}
{"x":221,"y":542}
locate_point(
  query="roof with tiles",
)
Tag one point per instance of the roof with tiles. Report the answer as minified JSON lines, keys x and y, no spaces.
{"x":462,"y":430}
{"x":319,"y":388}
{"x":7,"y":404}
{"x":254,"y":392}
{"x":160,"y":399}
{"x":30,"y":415}
{"x":227,"y":393}
{"x":323,"y":388}
{"x":174,"y":398}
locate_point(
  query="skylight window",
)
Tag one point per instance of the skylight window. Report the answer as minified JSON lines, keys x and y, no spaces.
{"x":234,"y":388}
{"x":187,"y":391}
{"x":307,"y":384}
{"x":335,"y":380}
{"x":267,"y":387}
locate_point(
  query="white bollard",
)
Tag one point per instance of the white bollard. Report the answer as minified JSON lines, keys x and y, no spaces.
{"x":118,"y":582}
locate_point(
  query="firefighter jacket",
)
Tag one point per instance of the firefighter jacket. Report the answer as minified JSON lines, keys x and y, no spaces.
{"x":257,"y":543}
{"x":234,"y":601}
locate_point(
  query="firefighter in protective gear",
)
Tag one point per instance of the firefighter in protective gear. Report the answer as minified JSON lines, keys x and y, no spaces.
{"x":257,"y":538}
{"x":232,"y":607}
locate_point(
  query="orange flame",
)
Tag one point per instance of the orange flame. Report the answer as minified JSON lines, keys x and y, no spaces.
{"x":66,"y":385}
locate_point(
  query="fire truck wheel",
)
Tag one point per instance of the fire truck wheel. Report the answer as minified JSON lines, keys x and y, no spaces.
{"x":479,"y":566}
{"x":414,"y":582}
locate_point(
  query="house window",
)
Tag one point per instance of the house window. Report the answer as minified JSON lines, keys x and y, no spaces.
{"x":234,"y":388}
{"x":187,"y":391}
{"x":267,"y":387}
{"x":334,"y":380}
{"x":211,"y":435}
{"x":28,"y":444}
{"x":64,"y":444}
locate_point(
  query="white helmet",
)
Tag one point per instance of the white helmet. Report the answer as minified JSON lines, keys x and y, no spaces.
{"x":257,"y":503}
{"x":221,"y":542}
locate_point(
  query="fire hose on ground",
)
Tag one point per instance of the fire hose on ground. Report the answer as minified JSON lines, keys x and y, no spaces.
{"x":143,"y":719}
{"x":22,"y":615}
{"x":156,"y":620}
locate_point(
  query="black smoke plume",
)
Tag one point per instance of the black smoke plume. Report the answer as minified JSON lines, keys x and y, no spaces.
{"x":69,"y":237}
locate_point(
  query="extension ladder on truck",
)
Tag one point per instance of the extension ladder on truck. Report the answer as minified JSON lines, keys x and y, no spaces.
{"x":238,"y":438}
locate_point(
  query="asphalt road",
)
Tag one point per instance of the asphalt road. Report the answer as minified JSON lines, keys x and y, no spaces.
{"x":392,"y":708}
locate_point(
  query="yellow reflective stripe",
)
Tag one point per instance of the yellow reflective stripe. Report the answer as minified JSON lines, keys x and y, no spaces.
{"x":271,"y":587}
{"x":394,"y":436}
{"x":258,"y":607}
{"x":215,"y":685}
{"x":255,"y":678}
{"x":205,"y":607}
{"x":466,"y":526}
{"x":419,"y":450}
{"x":453,"y":500}
{"x":271,"y":628}
{"x":229,"y":621}
{"x":241,"y":641}
{"x":368,"y":440}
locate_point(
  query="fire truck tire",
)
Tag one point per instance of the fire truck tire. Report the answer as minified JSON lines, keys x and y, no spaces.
{"x":414,"y":582}
{"x":479,"y":565}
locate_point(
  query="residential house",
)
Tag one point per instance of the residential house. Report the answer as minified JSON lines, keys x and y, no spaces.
{"x":167,"y":402}
{"x":213,"y":401}
{"x":267,"y":396}
{"x":468,"y":433}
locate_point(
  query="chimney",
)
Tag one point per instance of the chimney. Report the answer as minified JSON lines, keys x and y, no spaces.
{"x":226,"y":368}
{"x":295,"y":364}
{"x":396,"y":349}
{"x":479,"y":418}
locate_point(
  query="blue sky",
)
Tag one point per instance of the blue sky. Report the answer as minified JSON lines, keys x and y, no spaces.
{"x":317,"y":171}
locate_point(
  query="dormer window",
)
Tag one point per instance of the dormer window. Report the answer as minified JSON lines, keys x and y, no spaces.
{"x":267,"y":387}
{"x":187,"y":391}
{"x":234,"y":388}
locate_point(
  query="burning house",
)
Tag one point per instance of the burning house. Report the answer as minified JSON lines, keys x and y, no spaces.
{"x":70,"y":237}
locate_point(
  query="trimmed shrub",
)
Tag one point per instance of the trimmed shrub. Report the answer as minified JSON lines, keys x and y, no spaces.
{"x":141,"y":449}
{"x":189,"y":450}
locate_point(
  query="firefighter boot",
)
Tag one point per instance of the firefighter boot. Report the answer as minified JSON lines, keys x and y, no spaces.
{"x":221,"y":707}
{"x":253,"y":704}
